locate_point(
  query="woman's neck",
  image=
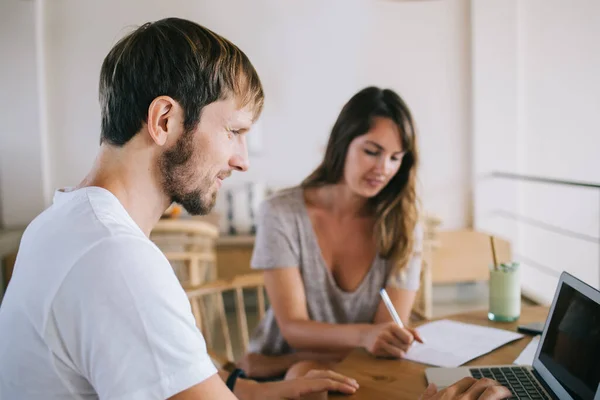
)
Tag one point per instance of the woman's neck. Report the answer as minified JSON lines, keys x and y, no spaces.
{"x":340,"y":201}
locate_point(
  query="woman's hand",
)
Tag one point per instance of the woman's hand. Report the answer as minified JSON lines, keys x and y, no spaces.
{"x":389,"y":340}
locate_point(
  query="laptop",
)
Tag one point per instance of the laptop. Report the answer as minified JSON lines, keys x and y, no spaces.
{"x":566,"y":365}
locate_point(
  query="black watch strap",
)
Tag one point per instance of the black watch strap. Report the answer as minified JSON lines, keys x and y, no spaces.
{"x":237,"y":373}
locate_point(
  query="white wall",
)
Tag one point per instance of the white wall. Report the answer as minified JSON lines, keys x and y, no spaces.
{"x":560,"y":49}
{"x":495,"y":85}
{"x":422,"y":49}
{"x":312,"y":56}
{"x":537,"y":114}
{"x":495,"y":113}
{"x":22,"y":150}
{"x":560,"y":53}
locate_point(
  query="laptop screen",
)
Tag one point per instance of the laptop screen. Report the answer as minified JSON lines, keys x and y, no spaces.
{"x":571,"y":349}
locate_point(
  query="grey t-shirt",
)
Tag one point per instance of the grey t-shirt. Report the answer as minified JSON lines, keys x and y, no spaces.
{"x":285,"y":239}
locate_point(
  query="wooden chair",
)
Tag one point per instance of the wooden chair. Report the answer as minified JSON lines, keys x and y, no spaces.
{"x":423,"y":302}
{"x":465,"y":256}
{"x":212,"y":293}
{"x":451,"y":257}
{"x":189,"y":245}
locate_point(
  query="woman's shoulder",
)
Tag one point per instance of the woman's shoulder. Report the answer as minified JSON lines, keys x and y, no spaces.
{"x":283,"y":210}
{"x":285,"y":202}
{"x":288,"y":198}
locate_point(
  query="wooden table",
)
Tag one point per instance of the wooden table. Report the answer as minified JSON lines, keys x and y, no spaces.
{"x":402,"y":379}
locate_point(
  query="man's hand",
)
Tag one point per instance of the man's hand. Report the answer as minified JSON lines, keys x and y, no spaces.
{"x":468,"y":389}
{"x":315,"y":381}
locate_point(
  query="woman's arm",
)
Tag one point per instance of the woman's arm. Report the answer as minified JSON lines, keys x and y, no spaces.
{"x":288,"y":300}
{"x":277,"y":252}
{"x":402,"y":287}
{"x":402,"y":299}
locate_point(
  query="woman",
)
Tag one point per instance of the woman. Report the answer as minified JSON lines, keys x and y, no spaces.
{"x":328,"y":246}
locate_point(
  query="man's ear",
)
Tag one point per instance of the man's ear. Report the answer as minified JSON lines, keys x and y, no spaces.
{"x":160,"y":111}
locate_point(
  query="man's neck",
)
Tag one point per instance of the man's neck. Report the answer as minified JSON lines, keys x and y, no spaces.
{"x":124,"y":171}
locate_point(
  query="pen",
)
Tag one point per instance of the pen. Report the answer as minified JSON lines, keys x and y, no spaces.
{"x":394,"y":314}
{"x":390,"y":307}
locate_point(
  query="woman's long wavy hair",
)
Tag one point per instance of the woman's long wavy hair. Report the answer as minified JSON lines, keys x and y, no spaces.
{"x":395,"y":208}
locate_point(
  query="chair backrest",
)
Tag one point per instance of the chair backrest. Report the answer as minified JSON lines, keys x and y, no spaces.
{"x":422,"y":306}
{"x":189,"y":245}
{"x":208,"y":297}
{"x":466,"y":255}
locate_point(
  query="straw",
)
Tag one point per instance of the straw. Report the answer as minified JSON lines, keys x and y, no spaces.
{"x":493,"y":243}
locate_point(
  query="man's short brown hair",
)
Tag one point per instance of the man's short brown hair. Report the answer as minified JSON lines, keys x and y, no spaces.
{"x":177,"y":58}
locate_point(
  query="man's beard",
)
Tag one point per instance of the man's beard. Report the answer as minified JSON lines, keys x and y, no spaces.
{"x":177,"y":170}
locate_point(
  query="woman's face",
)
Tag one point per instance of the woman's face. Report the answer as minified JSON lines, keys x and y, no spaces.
{"x":373,"y":158}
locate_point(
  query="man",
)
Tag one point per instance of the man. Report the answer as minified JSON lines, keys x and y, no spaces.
{"x":94,"y":309}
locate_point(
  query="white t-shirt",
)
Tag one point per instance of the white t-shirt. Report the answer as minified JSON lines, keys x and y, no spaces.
{"x":94,"y":310}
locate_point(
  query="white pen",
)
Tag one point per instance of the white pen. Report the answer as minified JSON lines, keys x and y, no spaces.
{"x":393,"y":313}
{"x":390,"y":307}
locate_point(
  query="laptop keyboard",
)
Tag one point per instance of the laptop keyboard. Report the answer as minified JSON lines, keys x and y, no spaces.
{"x":519,"y":380}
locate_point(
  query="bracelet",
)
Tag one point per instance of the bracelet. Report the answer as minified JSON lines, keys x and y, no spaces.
{"x":237,"y":373}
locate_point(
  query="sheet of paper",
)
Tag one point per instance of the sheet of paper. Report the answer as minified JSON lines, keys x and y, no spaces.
{"x":451,"y":343}
{"x":526,"y":356}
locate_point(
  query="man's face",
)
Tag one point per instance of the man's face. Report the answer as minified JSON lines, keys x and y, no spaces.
{"x":194,"y":168}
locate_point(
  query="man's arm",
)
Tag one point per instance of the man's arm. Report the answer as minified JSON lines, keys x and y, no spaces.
{"x":314,"y":382}
{"x":212,"y":388}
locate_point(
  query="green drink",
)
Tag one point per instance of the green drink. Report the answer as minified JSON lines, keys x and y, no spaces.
{"x":505,"y":293}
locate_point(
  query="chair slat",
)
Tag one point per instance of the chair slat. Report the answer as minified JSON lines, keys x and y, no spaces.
{"x":207,"y":323}
{"x":196,"y":311}
{"x":225,"y":327}
{"x":190,"y":227}
{"x":242,"y":319}
{"x":209,"y":297}
{"x":260,"y":294}
{"x":189,"y":255}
